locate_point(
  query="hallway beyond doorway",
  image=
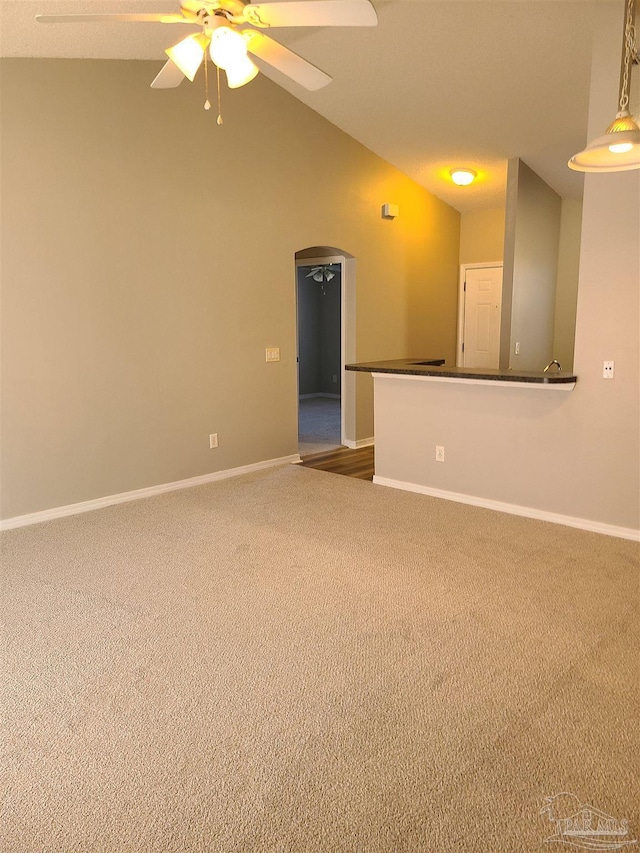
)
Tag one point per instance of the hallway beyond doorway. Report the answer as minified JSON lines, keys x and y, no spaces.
{"x":318,"y":425}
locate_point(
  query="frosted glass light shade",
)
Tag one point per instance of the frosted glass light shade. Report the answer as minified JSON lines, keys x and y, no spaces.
{"x":229,"y":51}
{"x":463,"y":177}
{"x":241,"y":72}
{"x":188,"y":54}
{"x":227,"y":47}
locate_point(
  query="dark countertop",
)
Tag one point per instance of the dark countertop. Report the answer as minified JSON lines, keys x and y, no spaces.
{"x":437,"y":367}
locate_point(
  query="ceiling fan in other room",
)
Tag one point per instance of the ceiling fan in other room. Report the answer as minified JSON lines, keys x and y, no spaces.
{"x":323,"y":273}
{"x":232,"y":29}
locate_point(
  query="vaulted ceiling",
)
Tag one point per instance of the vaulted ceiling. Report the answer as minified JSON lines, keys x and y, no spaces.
{"x":437,"y":84}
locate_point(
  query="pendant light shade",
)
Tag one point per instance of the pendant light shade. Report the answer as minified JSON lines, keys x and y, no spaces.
{"x":617,"y":152}
{"x":619,"y":149}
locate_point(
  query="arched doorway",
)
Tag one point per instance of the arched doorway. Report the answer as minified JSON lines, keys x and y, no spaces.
{"x":325,"y":337}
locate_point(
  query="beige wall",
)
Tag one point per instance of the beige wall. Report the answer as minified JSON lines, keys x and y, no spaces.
{"x":575,"y":454}
{"x":482,"y":236}
{"x":148,"y":260}
{"x":482,"y":241}
{"x":530,"y":271}
{"x":564,"y":325}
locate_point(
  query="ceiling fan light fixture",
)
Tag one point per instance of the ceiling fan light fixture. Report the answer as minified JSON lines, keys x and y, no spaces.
{"x":322,"y":273}
{"x":619,"y":149}
{"x":462,"y":177}
{"x":241,"y":72}
{"x":227,"y":47}
{"x":222,"y":21}
{"x":188,"y":54}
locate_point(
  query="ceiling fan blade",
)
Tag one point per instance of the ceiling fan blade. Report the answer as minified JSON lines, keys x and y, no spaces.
{"x":168,"y":77}
{"x":312,"y":13}
{"x":286,"y":61}
{"x":110,"y":18}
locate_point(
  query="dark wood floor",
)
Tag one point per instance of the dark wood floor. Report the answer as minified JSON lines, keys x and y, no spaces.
{"x":352,"y":463}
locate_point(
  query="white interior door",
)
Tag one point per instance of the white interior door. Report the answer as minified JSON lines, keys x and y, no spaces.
{"x":482,"y":311}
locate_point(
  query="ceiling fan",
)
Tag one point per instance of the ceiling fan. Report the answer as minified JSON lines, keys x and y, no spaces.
{"x":232,"y":29}
{"x":323,"y":273}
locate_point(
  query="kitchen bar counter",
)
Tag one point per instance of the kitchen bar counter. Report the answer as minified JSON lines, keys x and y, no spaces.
{"x":436,"y":370}
{"x":460,"y":433}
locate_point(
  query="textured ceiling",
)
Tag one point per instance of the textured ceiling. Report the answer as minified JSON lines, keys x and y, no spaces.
{"x":437,"y":84}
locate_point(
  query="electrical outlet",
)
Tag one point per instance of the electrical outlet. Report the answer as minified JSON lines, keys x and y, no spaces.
{"x":607,"y":369}
{"x":213,"y":440}
{"x":439,"y":453}
{"x":335,"y":378}
{"x":517,"y":348}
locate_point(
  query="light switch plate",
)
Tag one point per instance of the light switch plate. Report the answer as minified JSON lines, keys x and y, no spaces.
{"x":273,"y":354}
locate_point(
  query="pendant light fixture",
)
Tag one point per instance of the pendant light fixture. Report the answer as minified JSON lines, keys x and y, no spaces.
{"x":619,"y":149}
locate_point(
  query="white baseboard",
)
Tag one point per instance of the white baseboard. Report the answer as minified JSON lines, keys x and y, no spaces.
{"x":137,"y":494}
{"x":361,"y":442}
{"x":514,"y":509}
{"x":314,"y":396}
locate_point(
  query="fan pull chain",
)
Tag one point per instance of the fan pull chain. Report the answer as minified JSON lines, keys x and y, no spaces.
{"x":207,"y":103}
{"x":219,"y":119}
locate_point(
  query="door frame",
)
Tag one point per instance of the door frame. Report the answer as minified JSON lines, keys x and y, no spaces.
{"x":462,"y":301}
{"x":316,"y":262}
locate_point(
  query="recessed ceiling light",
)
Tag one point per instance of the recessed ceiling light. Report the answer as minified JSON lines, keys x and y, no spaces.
{"x":462,"y":177}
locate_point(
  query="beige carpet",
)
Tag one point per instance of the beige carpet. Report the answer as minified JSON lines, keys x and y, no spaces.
{"x":294,"y":661}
